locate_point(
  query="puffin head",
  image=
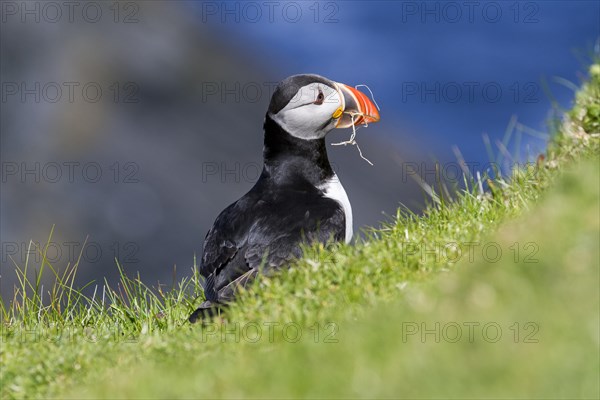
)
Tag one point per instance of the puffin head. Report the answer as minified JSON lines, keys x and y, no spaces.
{"x":309,"y":106}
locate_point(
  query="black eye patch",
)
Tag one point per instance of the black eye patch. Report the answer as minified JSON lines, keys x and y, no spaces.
{"x":287,"y":89}
{"x":320,"y":98}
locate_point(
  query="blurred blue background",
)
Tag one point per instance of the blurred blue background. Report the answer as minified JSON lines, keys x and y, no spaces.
{"x":446,"y":70}
{"x":176,"y":134}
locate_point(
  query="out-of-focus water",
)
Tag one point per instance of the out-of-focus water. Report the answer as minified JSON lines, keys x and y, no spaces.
{"x":444,"y":72}
{"x":143,"y":170}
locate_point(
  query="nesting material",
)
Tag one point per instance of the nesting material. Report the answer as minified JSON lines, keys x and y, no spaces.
{"x":352,"y":140}
{"x":372,"y":96}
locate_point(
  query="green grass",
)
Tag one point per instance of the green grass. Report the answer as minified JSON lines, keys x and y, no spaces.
{"x":387,"y":317}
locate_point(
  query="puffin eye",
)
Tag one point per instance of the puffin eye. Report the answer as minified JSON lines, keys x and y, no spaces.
{"x":320,"y":98}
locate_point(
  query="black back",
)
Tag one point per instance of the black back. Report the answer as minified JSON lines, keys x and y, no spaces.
{"x":287,"y":89}
{"x":284,"y":208}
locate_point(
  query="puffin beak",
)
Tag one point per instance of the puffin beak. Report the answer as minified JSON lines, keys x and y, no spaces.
{"x":357,"y":107}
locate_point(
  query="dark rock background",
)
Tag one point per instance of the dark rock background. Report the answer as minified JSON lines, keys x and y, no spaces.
{"x":170,"y":156}
{"x":143,"y":169}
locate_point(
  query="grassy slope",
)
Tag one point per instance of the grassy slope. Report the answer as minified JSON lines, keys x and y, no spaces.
{"x":371,"y":303}
{"x":377,"y":354}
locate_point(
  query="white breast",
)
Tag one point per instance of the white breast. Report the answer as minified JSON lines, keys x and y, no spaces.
{"x":333,"y":189}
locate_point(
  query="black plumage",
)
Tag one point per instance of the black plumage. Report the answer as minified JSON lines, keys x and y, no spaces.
{"x":267,"y":225}
{"x":297,"y":198}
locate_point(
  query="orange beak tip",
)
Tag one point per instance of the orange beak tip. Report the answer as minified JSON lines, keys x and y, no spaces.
{"x":364,"y":106}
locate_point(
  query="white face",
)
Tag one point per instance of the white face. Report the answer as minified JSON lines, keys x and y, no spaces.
{"x":312,"y":112}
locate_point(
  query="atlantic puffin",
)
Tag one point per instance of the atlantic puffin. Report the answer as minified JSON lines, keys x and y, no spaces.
{"x":297,"y":199}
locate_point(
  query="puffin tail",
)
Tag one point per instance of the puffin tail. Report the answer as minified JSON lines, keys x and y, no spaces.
{"x":216,"y":301}
{"x":210,"y":307}
{"x":207,"y":310}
